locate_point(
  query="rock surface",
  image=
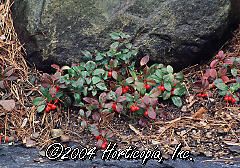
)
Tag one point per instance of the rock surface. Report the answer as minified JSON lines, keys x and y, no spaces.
{"x":18,"y":157}
{"x":173,"y":32}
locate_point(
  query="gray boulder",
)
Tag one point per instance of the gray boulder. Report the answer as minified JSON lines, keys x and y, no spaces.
{"x":176,"y":32}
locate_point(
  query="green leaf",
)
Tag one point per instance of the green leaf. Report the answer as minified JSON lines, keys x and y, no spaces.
{"x":177,"y":101}
{"x":84,"y":74}
{"x":221,"y":86}
{"x":81,"y":113}
{"x":59,"y":94}
{"x":94,"y":92}
{"x":179,"y":76}
{"x":83,"y":124}
{"x":96,"y":80}
{"x":223,"y":92}
{"x":102,"y":86}
{"x":168,"y":86}
{"x":88,"y":80}
{"x":99,"y":57}
{"x":41,"y":108}
{"x":87,"y":55}
{"x":166,"y":95}
{"x":129,"y":80}
{"x":129,"y":97}
{"x":234,"y":72}
{"x":139,"y":86}
{"x":72,"y":73}
{"x":169,"y":69}
{"x":85,"y":91}
{"x":234,"y":87}
{"x":77,"y":98}
{"x":217,"y":81}
{"x":90,"y":66}
{"x":114,"y":45}
{"x":38,"y":100}
{"x":168,"y":78}
{"x":133,"y":74}
{"x":111,"y":95}
{"x":98,"y":72}
{"x":180,"y":91}
{"x":115,"y":36}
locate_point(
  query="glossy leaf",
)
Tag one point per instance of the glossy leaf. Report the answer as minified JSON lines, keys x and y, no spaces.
{"x":144,"y":60}
{"x":177,"y":101}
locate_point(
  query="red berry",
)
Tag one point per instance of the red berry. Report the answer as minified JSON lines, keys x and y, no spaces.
{"x":124,"y":90}
{"x":204,"y":95}
{"x":199,"y":95}
{"x":133,"y":108}
{"x":114,"y":106}
{"x":127,"y":88}
{"x":234,"y":100}
{"x":227,"y":98}
{"x":146,"y":113}
{"x":230,"y":98}
{"x":98,"y":137}
{"x":110,"y":74}
{"x":48,"y":108}
{"x":57,"y":88}
{"x":53,"y":106}
{"x":137,"y":108}
{"x":104,"y":145}
{"x":162,"y":88}
{"x":147,"y":86}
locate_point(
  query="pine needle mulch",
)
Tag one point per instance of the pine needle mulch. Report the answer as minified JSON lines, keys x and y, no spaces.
{"x":207,"y":127}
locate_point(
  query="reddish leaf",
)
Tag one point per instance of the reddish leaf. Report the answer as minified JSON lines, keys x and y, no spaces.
{"x":46,"y":80}
{"x":96,"y":116}
{"x":55,"y":67}
{"x":222,"y":71}
{"x":142,"y":105}
{"x":151,"y":82}
{"x":205,"y":84}
{"x":118,"y":91}
{"x":228,"y":61}
{"x":214,"y":63}
{"x":155,"y":92}
{"x":146,"y":100}
{"x":225,"y":79}
{"x":220,"y":55}
{"x":121,"y":99}
{"x":213,"y":73}
{"x":103,"y":97}
{"x":207,"y":74}
{"x":151,"y":113}
{"x":53,"y":91}
{"x":91,"y":101}
{"x":114,"y":75}
{"x":8,"y":105}
{"x":119,"y":108}
{"x":144,"y":60}
{"x":108,"y":105}
{"x":153,"y":101}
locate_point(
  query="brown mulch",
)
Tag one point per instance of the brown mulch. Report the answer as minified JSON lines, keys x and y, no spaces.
{"x":204,"y":126}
